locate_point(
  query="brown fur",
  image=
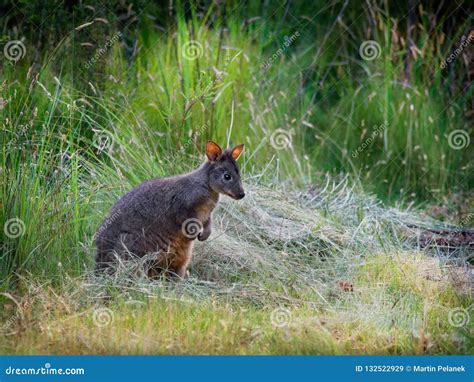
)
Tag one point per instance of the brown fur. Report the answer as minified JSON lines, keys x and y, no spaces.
{"x":152,"y":218}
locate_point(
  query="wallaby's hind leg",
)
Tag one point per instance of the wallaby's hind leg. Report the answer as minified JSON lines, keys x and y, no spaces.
{"x":155,"y":273}
{"x":155,"y":267}
{"x":181,"y":257}
{"x":182,"y":272}
{"x":105,"y":263}
{"x":163,"y":266}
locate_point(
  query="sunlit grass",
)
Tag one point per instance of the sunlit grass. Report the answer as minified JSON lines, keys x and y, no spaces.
{"x":386,"y":312}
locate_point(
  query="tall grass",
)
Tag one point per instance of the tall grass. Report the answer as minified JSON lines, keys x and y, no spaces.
{"x":320,"y":92}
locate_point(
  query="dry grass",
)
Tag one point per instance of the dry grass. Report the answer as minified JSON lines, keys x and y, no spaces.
{"x":324,"y":271}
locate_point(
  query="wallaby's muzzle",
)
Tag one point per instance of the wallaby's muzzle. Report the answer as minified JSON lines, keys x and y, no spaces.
{"x":237,"y":191}
{"x":235,"y":195}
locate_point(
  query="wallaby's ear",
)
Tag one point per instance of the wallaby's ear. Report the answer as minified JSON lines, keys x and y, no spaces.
{"x":213,"y":151}
{"x":236,"y":151}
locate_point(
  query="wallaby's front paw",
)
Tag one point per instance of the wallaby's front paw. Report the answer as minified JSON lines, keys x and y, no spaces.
{"x":204,"y":235}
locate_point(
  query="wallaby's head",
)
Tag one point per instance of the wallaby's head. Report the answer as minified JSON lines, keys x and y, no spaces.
{"x":224,"y":175}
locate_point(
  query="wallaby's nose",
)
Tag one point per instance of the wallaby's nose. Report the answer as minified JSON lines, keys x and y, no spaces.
{"x":241,"y":195}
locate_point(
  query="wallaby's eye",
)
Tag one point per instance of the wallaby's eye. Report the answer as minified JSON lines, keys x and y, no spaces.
{"x":227,"y":176}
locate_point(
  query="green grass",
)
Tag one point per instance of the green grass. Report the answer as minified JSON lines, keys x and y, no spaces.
{"x":386,"y":313}
{"x":346,"y":270}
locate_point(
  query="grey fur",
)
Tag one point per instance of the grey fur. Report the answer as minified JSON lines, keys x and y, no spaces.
{"x":151,"y":218}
